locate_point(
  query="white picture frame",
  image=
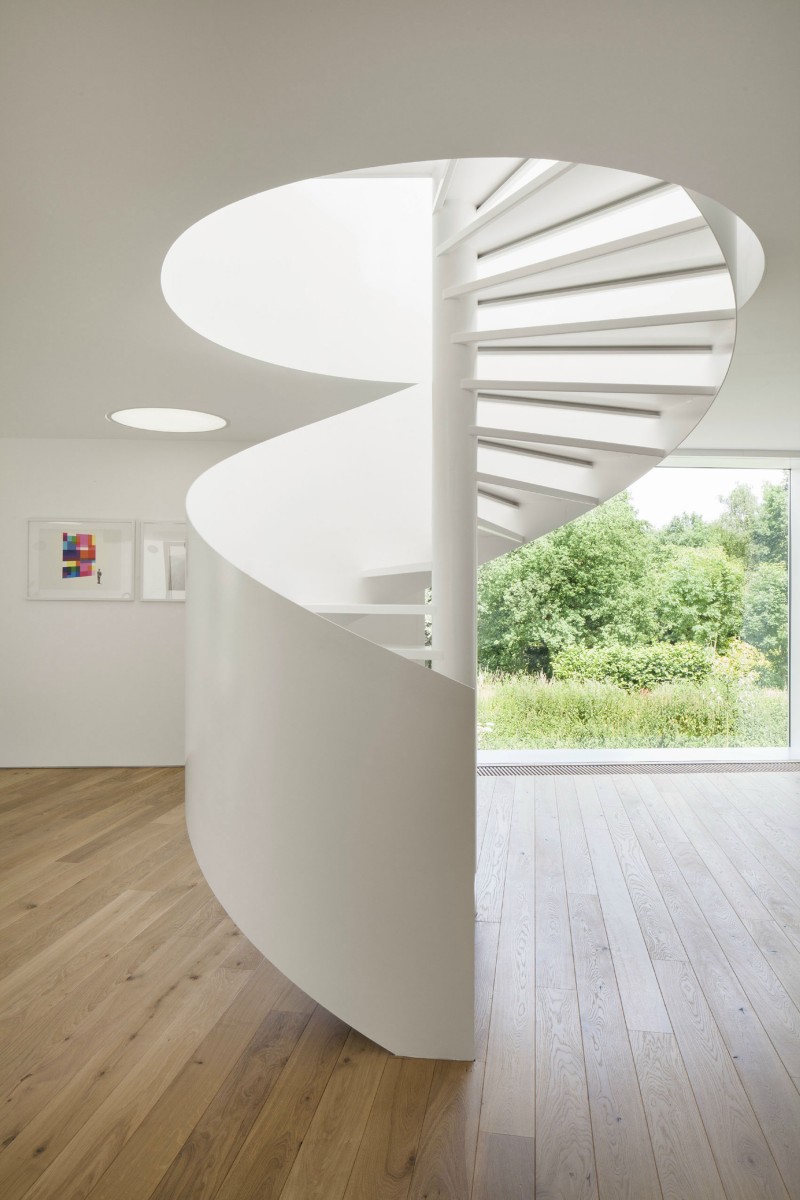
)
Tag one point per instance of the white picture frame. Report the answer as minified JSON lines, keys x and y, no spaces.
{"x":162,"y":559}
{"x":80,"y":559}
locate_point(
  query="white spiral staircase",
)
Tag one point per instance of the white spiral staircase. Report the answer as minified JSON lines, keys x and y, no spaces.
{"x":584,"y":319}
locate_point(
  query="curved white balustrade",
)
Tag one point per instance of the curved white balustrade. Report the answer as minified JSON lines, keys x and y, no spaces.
{"x":330,"y":781}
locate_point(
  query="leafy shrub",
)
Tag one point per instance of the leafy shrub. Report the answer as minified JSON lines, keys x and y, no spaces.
{"x":533,"y":712}
{"x":741,"y":662}
{"x":635,"y":667}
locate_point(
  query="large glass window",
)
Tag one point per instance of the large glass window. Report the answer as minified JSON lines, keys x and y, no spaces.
{"x":659,"y":620}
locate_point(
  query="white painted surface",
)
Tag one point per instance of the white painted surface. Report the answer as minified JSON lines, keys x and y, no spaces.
{"x":286,"y":276}
{"x":91,"y":683}
{"x":330,"y":791}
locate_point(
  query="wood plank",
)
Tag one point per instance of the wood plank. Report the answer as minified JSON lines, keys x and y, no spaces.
{"x":638,"y":987}
{"x":446,"y":1158}
{"x":262,"y":1166}
{"x":326,"y":1157}
{"x":483,"y":804}
{"x":564,"y":1152}
{"x":504,"y":1167}
{"x":385,"y":1161}
{"x":660,"y":935}
{"x":624,"y":1158}
{"x":578,"y":871}
{"x":487,"y":936}
{"x":553,"y":940}
{"x":192,"y":1135}
{"x":490,"y":877}
{"x":683,"y":1156}
{"x":508,"y":1093}
{"x":752,"y":978}
{"x":781,"y":953}
{"x":745,"y":1164}
{"x":71,"y":1171}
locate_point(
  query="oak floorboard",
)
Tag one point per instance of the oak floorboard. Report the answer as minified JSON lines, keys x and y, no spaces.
{"x":743,"y":1158}
{"x":221,"y":1089}
{"x":564,"y":1150}
{"x":504,"y":1167}
{"x":684,"y":1160}
{"x":508,"y":1091}
{"x":578,"y":870}
{"x":637,"y":984}
{"x":445,"y":1163}
{"x":151,"y":1053}
{"x":554,"y":966}
{"x":325,"y":1160}
{"x":623,"y":1153}
{"x":490,"y":877}
{"x":268,"y":1153}
{"x":385,"y":1161}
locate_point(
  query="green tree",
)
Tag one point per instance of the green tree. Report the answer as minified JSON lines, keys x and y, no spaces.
{"x":585,"y":582}
{"x":734,"y":529}
{"x":689,"y":529}
{"x":698,"y":596}
{"x":770,"y":539}
{"x":766,"y":617}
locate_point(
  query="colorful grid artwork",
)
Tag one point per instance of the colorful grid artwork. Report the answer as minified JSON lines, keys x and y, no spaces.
{"x":78,"y":555}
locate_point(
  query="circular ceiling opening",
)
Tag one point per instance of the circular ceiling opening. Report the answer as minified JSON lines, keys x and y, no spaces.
{"x":168,"y":420}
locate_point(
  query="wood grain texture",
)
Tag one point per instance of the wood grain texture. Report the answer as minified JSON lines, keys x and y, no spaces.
{"x":504,"y":1167}
{"x":623,"y":1153}
{"x":554,"y":966}
{"x":683,"y":1156}
{"x":638,"y":988}
{"x":743,"y":1159}
{"x":564,"y":1151}
{"x":446,"y":1159}
{"x":150,"y":1053}
{"x":490,"y":877}
{"x":388,"y":1152}
{"x":508,"y":1093}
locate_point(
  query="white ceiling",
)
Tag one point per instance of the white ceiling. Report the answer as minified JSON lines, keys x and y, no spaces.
{"x":125,"y":122}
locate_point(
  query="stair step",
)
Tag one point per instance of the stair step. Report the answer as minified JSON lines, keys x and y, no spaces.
{"x":559,"y":199}
{"x":374,"y":610}
{"x":500,"y":531}
{"x":529,"y":452}
{"x":540,"y":489}
{"x":426,"y":653}
{"x":479,"y":337}
{"x":423,"y":568}
{"x":494,"y":212}
{"x":569,"y":405}
{"x":525,"y":172}
{"x":551,"y":439}
{"x":616,"y":283}
{"x":550,"y":385}
{"x":474,"y":180}
{"x":602,"y":250}
{"x":484,"y":494}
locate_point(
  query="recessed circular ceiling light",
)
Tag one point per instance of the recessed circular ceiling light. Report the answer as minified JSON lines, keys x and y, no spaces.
{"x":168,"y":420}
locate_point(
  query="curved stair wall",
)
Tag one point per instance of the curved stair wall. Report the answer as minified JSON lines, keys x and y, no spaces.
{"x":330,"y":780}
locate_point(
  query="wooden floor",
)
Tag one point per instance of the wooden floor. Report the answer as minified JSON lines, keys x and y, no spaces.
{"x":638,"y":945}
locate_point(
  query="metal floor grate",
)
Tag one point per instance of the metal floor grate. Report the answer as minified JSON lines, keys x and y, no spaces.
{"x":656,"y":768}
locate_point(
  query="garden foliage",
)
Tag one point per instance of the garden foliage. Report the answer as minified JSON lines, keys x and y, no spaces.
{"x":693,"y":617}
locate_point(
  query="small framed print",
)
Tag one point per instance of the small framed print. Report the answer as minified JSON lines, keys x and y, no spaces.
{"x":163,"y":560}
{"x":80,"y":559}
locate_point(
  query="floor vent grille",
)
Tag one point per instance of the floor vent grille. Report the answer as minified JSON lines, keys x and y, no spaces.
{"x":657,"y":768}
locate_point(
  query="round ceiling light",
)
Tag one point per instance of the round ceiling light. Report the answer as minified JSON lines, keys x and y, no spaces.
{"x":168,"y":420}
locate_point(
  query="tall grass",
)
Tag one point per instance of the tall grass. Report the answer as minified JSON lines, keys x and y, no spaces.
{"x":531,"y":712}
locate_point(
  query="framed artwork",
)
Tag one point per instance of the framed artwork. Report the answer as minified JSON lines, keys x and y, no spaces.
{"x":80,"y":560}
{"x":163,"y":560}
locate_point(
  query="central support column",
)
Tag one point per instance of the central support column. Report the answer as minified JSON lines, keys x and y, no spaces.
{"x":454,"y":576}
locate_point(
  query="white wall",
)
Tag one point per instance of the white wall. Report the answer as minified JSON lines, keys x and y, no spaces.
{"x":91,"y":683}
